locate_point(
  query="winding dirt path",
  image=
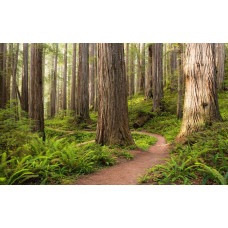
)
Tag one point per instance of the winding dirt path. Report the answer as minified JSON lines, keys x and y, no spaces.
{"x":127,"y":172}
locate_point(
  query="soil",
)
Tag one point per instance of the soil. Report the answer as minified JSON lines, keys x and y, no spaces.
{"x":126,"y":172}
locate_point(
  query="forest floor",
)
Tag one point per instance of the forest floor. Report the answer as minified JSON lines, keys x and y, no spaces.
{"x":127,"y":172}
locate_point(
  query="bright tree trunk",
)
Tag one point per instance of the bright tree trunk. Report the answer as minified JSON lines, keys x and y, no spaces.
{"x":53,"y":85}
{"x":91,"y":75}
{"x":83,"y":82}
{"x":201,"y":101}
{"x":2,"y":76}
{"x":113,"y":124}
{"x":132,"y":71}
{"x":95,"y":82}
{"x":148,"y":79}
{"x":14,"y":80}
{"x":220,"y":64}
{"x":37,"y":110}
{"x":73,"y":79}
{"x":157,"y":57}
{"x":127,"y":66}
{"x":24,"y":94}
{"x":138,"y":89}
{"x":65,"y":80}
{"x":142,"y":59}
{"x":180,"y":81}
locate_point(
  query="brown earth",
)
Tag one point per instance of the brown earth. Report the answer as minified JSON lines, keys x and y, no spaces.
{"x":127,"y":172}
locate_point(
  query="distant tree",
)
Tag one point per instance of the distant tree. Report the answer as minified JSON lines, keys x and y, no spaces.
{"x":132,"y":71}
{"x":14,"y":80}
{"x":157,"y":57}
{"x":138,"y":88}
{"x":127,"y":66}
{"x":2,"y":76}
{"x":95,"y":80}
{"x":180,"y":80}
{"x":142,"y":64}
{"x":201,"y":101}
{"x":83,"y":82}
{"x":24,"y":93}
{"x":73,"y":79}
{"x":91,"y":75}
{"x":148,"y":79}
{"x":64,"y":104}
{"x":54,"y":84}
{"x":113,"y":124}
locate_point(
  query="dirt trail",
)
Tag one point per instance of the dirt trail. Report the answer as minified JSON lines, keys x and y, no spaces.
{"x":126,"y":172}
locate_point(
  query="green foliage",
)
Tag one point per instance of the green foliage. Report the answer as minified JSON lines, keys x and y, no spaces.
{"x":143,"y":141}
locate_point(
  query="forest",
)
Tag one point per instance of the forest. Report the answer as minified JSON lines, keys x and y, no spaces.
{"x":113,"y":113}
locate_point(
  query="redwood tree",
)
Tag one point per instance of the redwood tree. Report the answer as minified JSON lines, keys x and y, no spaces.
{"x":113,"y":124}
{"x":54,"y":84}
{"x":64,"y":104}
{"x":24,"y":94}
{"x":37,"y":109}
{"x":83,"y":82}
{"x":220,"y":64}
{"x":2,"y":76}
{"x":157,"y":56}
{"x":201,"y":101}
{"x":148,"y":79}
{"x":73,"y":79}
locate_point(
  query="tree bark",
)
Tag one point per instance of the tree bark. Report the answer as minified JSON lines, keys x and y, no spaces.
{"x":95,"y":82}
{"x":65,"y":80}
{"x":37,"y":110}
{"x":14,"y":81}
{"x":73,"y":79}
{"x":220,"y":64}
{"x":157,"y":56}
{"x":127,"y":66}
{"x":180,"y":79}
{"x":138,"y":89}
{"x":132,"y":71}
{"x":113,"y":124}
{"x":91,"y":75}
{"x":2,"y":76}
{"x":83,"y":82}
{"x":142,"y":79}
{"x":24,"y":94}
{"x":54,"y":84}
{"x":148,"y":80}
{"x":201,"y":101}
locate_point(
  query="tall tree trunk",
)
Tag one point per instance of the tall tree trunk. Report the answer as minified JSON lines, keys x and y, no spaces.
{"x":65,"y":79}
{"x":2,"y":76}
{"x":127,"y":66}
{"x":9,"y":72}
{"x":24,"y":94}
{"x":14,"y":81}
{"x":83,"y":82}
{"x":132,"y":71}
{"x":73,"y":79}
{"x":148,"y":80}
{"x":220,"y":64}
{"x":91,"y":75}
{"x":157,"y":56}
{"x":113,"y":124}
{"x":138,"y":69}
{"x":180,"y":79}
{"x":201,"y":101}
{"x":142,"y":80}
{"x":95,"y":81}
{"x":53,"y":85}
{"x":37,"y":111}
